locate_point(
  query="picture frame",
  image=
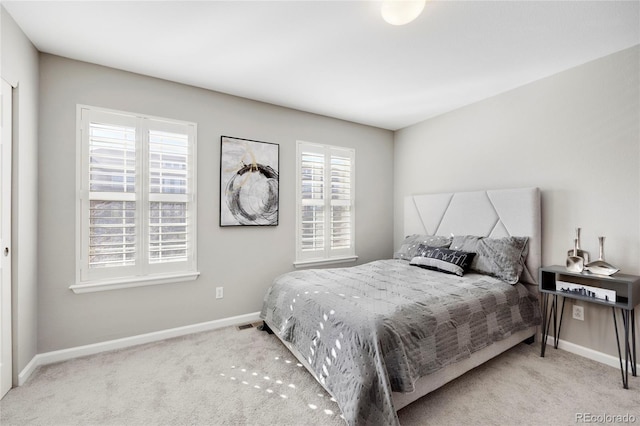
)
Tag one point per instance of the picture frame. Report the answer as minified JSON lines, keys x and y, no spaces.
{"x":586,"y":291}
{"x":249,"y":182}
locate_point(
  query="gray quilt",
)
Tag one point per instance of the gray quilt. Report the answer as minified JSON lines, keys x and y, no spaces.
{"x":372,"y":329}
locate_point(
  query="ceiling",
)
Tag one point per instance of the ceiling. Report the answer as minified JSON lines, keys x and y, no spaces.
{"x":336,"y":58}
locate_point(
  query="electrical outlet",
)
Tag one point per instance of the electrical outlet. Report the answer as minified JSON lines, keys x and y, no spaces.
{"x":219,"y":293}
{"x":578,"y":312}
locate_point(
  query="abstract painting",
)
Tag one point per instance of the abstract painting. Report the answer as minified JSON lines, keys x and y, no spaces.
{"x":248,"y":182}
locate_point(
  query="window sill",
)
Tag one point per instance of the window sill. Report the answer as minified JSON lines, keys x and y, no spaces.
{"x":120,"y":283}
{"x":318,"y":262}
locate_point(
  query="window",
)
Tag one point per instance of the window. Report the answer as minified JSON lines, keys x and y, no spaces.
{"x":136,"y":200}
{"x":325,"y":209}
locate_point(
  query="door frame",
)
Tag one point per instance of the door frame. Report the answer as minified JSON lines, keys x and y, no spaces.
{"x":6,"y":134}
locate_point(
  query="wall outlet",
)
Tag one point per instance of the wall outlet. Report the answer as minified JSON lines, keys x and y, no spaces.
{"x":219,"y":293}
{"x":578,"y":312}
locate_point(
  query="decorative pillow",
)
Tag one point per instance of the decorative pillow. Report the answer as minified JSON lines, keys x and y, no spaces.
{"x":502,"y":258}
{"x":442,"y":259}
{"x":407,"y":250}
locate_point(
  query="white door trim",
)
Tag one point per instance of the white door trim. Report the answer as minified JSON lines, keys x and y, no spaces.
{"x":6,"y":362}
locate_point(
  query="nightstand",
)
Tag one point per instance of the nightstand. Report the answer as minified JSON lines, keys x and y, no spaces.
{"x":557,"y":281}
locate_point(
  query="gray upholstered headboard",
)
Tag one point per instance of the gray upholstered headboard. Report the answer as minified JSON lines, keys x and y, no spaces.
{"x":493,"y":213}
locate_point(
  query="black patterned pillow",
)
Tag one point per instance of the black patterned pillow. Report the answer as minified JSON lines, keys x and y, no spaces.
{"x":442,"y":259}
{"x":407,"y":250}
{"x":503,"y":258}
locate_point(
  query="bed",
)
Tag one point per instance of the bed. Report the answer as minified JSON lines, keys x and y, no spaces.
{"x":460,"y":290}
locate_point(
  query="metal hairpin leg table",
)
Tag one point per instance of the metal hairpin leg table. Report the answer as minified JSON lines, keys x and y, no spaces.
{"x":628,"y":318}
{"x":627,"y":288}
{"x":546,"y":322}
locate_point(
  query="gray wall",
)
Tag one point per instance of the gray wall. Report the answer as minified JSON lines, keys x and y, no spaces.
{"x":19,"y":67}
{"x":576,"y":136}
{"x":242,"y":259}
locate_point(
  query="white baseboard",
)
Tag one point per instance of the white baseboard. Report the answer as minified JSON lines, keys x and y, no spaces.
{"x":110,"y":345}
{"x":600,"y":357}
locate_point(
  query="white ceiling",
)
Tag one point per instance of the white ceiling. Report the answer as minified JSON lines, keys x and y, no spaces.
{"x":336,"y":58}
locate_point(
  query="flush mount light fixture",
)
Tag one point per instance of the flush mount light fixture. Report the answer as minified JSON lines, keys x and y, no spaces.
{"x":400,"y":12}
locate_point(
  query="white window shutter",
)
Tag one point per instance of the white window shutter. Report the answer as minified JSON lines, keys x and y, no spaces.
{"x":312,"y":198}
{"x":136,"y":197}
{"x":341,"y":201}
{"x":110,"y":209}
{"x":169,"y":181}
{"x":112,"y":233}
{"x":325,"y":205}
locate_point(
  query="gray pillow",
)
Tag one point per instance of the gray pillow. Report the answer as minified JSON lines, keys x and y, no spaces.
{"x":409,"y":247}
{"x":502,"y":258}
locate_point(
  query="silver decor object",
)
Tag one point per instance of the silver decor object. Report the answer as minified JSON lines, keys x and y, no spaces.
{"x":575,"y":263}
{"x":600,"y":267}
{"x":577,"y":251}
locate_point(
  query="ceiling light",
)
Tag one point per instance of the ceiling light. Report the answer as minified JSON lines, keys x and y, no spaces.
{"x":400,"y":12}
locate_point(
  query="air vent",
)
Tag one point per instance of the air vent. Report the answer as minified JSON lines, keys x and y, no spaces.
{"x":245,"y":326}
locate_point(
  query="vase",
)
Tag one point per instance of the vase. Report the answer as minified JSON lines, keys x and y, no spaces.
{"x":600,"y":266}
{"x":601,"y":246}
{"x":578,"y":250}
{"x":575,"y":263}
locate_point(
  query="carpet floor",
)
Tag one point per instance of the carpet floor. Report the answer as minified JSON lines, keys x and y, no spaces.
{"x":247,"y":377}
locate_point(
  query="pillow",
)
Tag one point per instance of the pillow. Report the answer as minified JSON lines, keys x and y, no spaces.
{"x":407,"y":250}
{"x":502,"y":258}
{"x":443,"y":260}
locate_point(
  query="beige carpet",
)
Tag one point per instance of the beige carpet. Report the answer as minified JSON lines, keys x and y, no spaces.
{"x":229,"y":377}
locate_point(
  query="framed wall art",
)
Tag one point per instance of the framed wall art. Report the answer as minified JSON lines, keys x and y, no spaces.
{"x":249,"y":183}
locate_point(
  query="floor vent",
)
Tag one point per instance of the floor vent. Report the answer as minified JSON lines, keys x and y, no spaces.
{"x":245,"y":326}
{"x":257,"y":325}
